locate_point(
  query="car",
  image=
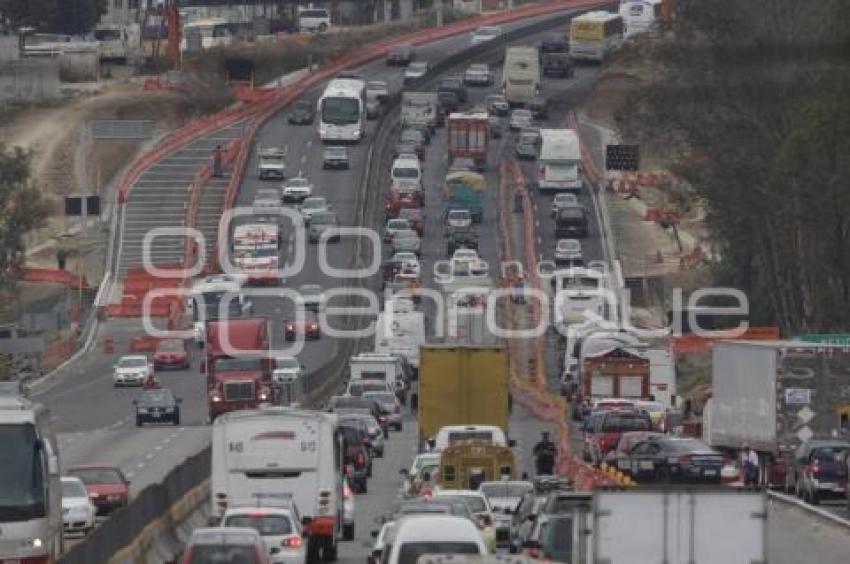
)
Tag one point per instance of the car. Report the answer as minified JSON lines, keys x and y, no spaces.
{"x":374,"y":107}
{"x":551,"y":539}
{"x":505,"y":497}
{"x":157,"y":406}
{"x":406,"y":240}
{"x":415,"y":71}
{"x":307,"y":326}
{"x":390,"y":407}
{"x":571,"y":223}
{"x":667,"y":459}
{"x":819,"y":470}
{"x":303,"y":112}
{"x":414,"y":217}
{"x":496,"y":127}
{"x":568,"y":252}
{"x":465,"y":255}
{"x":78,"y":511}
{"x":453,"y":83}
{"x":557,"y":65}
{"x":554,"y":43}
{"x":378,"y":90}
{"x":459,"y":219}
{"x":226,"y":544}
{"x":480,"y":507}
{"x":426,"y":462}
{"x":605,"y":435}
{"x":356,"y":402}
{"x":363,"y":418}
{"x":463,"y":164}
{"x":335,"y":157}
{"x":296,"y":190}
{"x":347,"y":512}
{"x":449,"y":101}
{"x":564,"y":200}
{"x":484,"y":34}
{"x":521,"y":118}
{"x":311,"y":206}
{"x":497,"y":104}
{"x":626,"y":443}
{"x":416,"y":138}
{"x":311,"y":297}
{"x":539,"y":108}
{"x":528,"y":144}
{"x":433,"y":534}
{"x":406,"y":262}
{"x":266,"y":205}
{"x":171,"y":353}
{"x":357,"y":460}
{"x":401,"y":54}
{"x":286,"y":367}
{"x":478,"y":74}
{"x":461,"y":239}
{"x":322,"y":222}
{"x":106,"y":486}
{"x":277,"y":521}
{"x":132,"y":370}
{"x":393,"y":226}
{"x":382,"y":537}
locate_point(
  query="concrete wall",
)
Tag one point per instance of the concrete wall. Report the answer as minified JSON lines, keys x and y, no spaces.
{"x":30,"y":79}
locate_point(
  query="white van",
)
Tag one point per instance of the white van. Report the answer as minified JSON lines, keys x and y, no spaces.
{"x":314,"y":19}
{"x":416,"y":535}
{"x":282,"y":452}
{"x":559,"y":163}
{"x":406,"y":173}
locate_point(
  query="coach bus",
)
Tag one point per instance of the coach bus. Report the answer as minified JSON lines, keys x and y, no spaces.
{"x":595,"y":35}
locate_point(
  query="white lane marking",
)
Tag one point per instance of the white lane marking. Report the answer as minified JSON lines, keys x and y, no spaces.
{"x":148,"y":456}
{"x":128,"y":474}
{"x":140,"y":465}
{"x":158,"y":447}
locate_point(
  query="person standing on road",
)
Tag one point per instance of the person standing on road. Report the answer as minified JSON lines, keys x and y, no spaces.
{"x":217,"y":161}
{"x":519,"y":288}
{"x":544,"y":455}
{"x":750,"y":466}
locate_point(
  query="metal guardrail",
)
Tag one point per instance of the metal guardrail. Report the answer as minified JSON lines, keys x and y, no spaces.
{"x":122,"y":128}
{"x":814,"y":510}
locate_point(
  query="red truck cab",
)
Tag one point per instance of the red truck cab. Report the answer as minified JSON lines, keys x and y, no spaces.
{"x":237,"y":365}
{"x":610,"y":426}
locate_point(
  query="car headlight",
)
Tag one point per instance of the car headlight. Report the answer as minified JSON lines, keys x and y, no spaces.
{"x":34,"y":542}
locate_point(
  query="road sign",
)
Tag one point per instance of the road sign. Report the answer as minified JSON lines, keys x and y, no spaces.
{"x":622,"y":157}
{"x":82,"y":205}
{"x":798,"y":396}
{"x":827,"y":338}
{"x":805,"y":434}
{"x":805,"y":414}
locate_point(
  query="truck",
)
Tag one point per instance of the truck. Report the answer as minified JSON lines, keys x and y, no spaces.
{"x":662,"y":376}
{"x":612,"y":369}
{"x":465,"y":464}
{"x":466,"y":315}
{"x":463,"y":190}
{"x":462,"y":385}
{"x":773,"y":395}
{"x":420,"y":110}
{"x":390,"y":368}
{"x":237,"y":365}
{"x":119,"y":42}
{"x":271,"y":163}
{"x":256,"y":252}
{"x":284,"y":452}
{"x":468,"y":137}
{"x":214,"y":297}
{"x":559,"y":162}
{"x":400,"y":330}
{"x":673,"y":525}
{"x":521,"y":75}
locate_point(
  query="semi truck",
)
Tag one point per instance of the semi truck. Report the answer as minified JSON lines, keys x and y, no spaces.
{"x":773,"y":395}
{"x":237,"y":365}
{"x":462,"y":385}
{"x":468,"y":137}
{"x":463,"y":191}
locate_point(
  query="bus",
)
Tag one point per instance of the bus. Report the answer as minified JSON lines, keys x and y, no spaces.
{"x":595,"y":35}
{"x":640,"y":16}
{"x":342,"y":110}
{"x":213,"y":32}
{"x":521,"y":81}
{"x":30,"y":487}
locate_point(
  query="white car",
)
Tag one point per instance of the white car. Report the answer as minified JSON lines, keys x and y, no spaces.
{"x":568,"y":251}
{"x":132,"y":370}
{"x":484,"y":34}
{"x":78,"y":512}
{"x":480,"y":507}
{"x":433,"y":533}
{"x":415,"y":70}
{"x":272,"y":163}
{"x":311,"y":297}
{"x":296,"y":190}
{"x":409,"y":263}
{"x":279,"y":525}
{"x":377,"y":90}
{"x":394,"y":226}
{"x":286,"y":367}
{"x":478,"y":74}
{"x":521,"y":119}
{"x":311,"y":206}
{"x":465,"y":255}
{"x":564,"y":200}
{"x":459,"y":219}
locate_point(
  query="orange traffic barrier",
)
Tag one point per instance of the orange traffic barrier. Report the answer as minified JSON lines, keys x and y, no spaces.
{"x":52,"y":276}
{"x":144,"y":344}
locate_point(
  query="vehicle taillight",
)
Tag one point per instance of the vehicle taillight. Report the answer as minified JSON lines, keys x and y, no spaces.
{"x":360,"y":460}
{"x":534,"y":552}
{"x":291,"y":542}
{"x":815,"y":468}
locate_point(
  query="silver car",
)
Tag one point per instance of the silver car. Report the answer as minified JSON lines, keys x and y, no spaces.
{"x":478,"y":74}
{"x":390,"y":407}
{"x":520,"y":119}
{"x":297,"y":190}
{"x":564,"y":200}
{"x":321,"y":222}
{"x":568,"y":252}
{"x":311,"y":206}
{"x":406,"y":241}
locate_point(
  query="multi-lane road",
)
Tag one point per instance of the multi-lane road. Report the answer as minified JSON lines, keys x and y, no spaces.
{"x":94,"y":419}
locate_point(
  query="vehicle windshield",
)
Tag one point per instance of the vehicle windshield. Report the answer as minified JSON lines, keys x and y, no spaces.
{"x":376,"y":85}
{"x":340,"y":111}
{"x":73,"y":488}
{"x":831,"y":454}
{"x":284,"y":362}
{"x":323,"y":219}
{"x":133,"y":362}
{"x":398,"y":224}
{"x":239,"y":365}
{"x":417,"y":67}
{"x":459,"y":215}
{"x":107,"y":34}
{"x":383,"y":397}
{"x":91,"y":476}
{"x":686,"y":445}
{"x":170,"y":346}
{"x":226,"y":553}
{"x":156,"y":396}
{"x":484,"y":436}
{"x":450,"y":84}
{"x":614,"y":423}
{"x":266,"y":525}
{"x":314,"y":204}
{"x":403,"y":172}
{"x":21,"y":474}
{"x":411,"y":551}
{"x":303,"y":105}
{"x":557,"y":539}
{"x":503,"y":490}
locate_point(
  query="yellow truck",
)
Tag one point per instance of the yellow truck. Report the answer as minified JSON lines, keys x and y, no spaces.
{"x":462,"y":385}
{"x":464,"y":465}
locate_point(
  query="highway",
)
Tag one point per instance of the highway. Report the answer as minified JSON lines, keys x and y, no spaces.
{"x":94,"y":419}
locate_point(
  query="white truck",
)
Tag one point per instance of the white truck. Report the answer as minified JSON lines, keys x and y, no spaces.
{"x":400,"y":330}
{"x":214,"y":297}
{"x":271,"y":163}
{"x":559,"y":163}
{"x":119,"y":42}
{"x":772,"y":395}
{"x":377,"y":366}
{"x":466,"y":315}
{"x":662,"y":377}
{"x":420,"y":110}
{"x":282,"y":451}
{"x":677,"y":527}
{"x":521,"y":75}
{"x":256,"y":252}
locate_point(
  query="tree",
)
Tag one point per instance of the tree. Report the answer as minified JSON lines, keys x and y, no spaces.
{"x":22,"y":209}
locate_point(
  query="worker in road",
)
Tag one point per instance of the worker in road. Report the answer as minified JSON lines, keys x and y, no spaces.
{"x":750,"y":466}
{"x":217,"y":153}
{"x":544,"y":455}
{"x":151,"y":383}
{"x":519,"y":288}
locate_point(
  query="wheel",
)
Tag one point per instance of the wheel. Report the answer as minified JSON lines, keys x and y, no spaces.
{"x":814,"y":497}
{"x":398,"y":427}
{"x":176,"y":420}
{"x":348,"y":532}
{"x":138,"y":422}
{"x":323,"y":27}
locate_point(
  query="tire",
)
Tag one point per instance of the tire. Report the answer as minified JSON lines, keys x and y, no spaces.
{"x":323,"y":28}
{"x":138,"y":422}
{"x":348,"y":532}
{"x":814,"y":498}
{"x":176,"y":421}
{"x":329,"y":553}
{"x":399,"y":427}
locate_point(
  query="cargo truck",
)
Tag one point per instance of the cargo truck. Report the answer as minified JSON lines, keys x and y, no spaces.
{"x":420,"y":110}
{"x":468,"y":137}
{"x":462,"y":385}
{"x":612,"y":369}
{"x":400,"y":330}
{"x":463,"y":191}
{"x":559,"y":162}
{"x":773,"y":395}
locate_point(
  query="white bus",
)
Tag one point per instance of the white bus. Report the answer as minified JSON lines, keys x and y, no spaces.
{"x":342,"y":110}
{"x":30,"y":487}
{"x":595,"y":35}
{"x":640,"y":16}
{"x":521,"y":80}
{"x":282,"y":451}
{"x":213,"y":32}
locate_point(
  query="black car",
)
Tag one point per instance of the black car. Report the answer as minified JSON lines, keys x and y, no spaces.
{"x":553,"y":44}
{"x":539,"y":109}
{"x":302,"y":113}
{"x":557,"y":65}
{"x":449,"y":101}
{"x":668,"y":459}
{"x":571,"y":223}
{"x":453,"y":84}
{"x":461,"y":239}
{"x":400,"y":54}
{"x":819,"y":470}
{"x":157,"y":406}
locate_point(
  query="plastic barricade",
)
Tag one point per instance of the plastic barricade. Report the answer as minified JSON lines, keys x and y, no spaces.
{"x":52,"y":276}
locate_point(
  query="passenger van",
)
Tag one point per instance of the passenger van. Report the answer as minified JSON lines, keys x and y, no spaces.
{"x":406,"y":173}
{"x":314,"y":19}
{"x":433,"y":534}
{"x":640,"y":16}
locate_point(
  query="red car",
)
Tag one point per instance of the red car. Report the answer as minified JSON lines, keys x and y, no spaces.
{"x":307,"y":326}
{"x":414,"y":218}
{"x":171,"y":353}
{"x":397,"y":201}
{"x":107,"y":487}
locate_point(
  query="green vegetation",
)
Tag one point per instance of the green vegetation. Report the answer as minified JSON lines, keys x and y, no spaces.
{"x":755,"y":97}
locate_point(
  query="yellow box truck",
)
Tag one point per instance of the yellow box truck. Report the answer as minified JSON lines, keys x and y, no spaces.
{"x":462,"y":385}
